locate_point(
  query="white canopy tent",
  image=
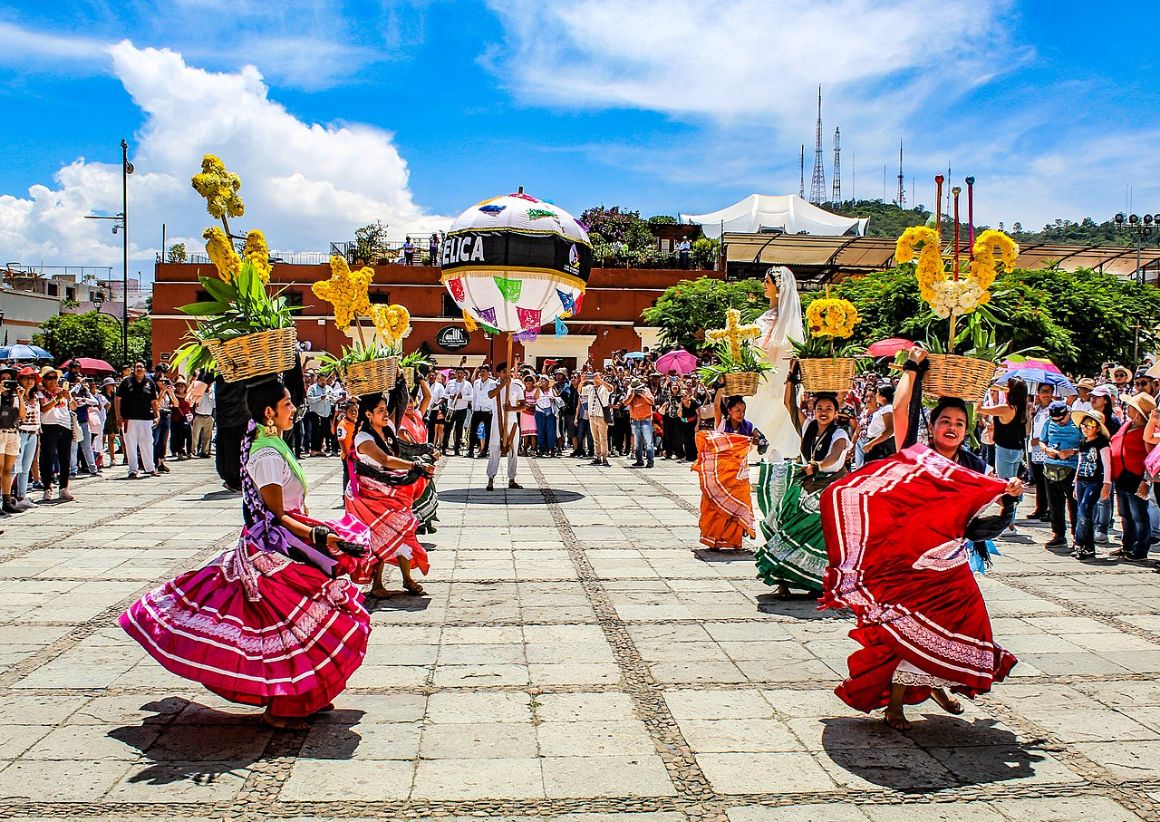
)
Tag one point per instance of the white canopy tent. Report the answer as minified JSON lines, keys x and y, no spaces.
{"x":786,"y":213}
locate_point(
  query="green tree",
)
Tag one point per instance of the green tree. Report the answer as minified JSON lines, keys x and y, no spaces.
{"x":686,"y":309}
{"x":1080,"y":319}
{"x":612,"y":225}
{"x":370,"y":243}
{"x":93,"y":334}
{"x":176,"y":253}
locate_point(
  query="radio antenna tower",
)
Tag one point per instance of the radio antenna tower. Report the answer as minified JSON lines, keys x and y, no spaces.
{"x":818,"y":182}
{"x":802,"y":178}
{"x":901,"y":180}
{"x":836,"y":197}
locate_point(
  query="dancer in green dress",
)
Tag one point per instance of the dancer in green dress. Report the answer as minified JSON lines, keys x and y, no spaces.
{"x":794,"y":554}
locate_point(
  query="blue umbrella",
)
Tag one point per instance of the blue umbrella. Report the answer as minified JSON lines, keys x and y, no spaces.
{"x":1032,"y":374}
{"x":24,"y":352}
{"x":634,"y":355}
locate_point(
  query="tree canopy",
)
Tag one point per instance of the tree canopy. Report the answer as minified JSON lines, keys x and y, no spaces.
{"x":686,"y":309}
{"x":94,"y":334}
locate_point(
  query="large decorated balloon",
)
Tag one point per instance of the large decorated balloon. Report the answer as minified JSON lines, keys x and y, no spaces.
{"x":516,"y":263}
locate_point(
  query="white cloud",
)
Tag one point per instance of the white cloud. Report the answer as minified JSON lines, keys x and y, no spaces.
{"x":305,"y":184}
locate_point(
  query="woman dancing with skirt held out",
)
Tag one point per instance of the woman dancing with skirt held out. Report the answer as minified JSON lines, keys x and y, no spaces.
{"x":795,"y":549}
{"x":382,"y":490}
{"x":723,"y":466}
{"x":265,"y":623}
{"x":898,"y":532}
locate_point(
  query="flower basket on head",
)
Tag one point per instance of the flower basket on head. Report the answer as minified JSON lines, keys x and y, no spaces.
{"x":365,"y":367}
{"x":824,"y":367}
{"x":254,"y":355}
{"x":738,"y":366}
{"x":243,"y":330}
{"x":954,"y":294}
{"x":410,"y":365}
{"x":953,"y":375}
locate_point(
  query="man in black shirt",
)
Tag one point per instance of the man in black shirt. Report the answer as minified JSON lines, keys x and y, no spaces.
{"x":138,"y":409}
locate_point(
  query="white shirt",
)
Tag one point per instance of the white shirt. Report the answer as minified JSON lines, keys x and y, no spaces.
{"x":459,"y":394}
{"x":596,"y":398}
{"x":512,"y":395}
{"x":877,"y":425}
{"x":266,"y":466}
{"x":438,"y":391}
{"x":1081,"y":405}
{"x":481,"y":395}
{"x":206,"y":404}
{"x":360,"y":438}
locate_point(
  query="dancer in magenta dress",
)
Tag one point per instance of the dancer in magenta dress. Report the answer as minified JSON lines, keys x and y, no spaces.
{"x":266,"y":622}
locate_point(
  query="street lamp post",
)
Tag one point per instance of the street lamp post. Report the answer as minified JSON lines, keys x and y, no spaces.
{"x":1139,"y":227}
{"x":121,"y":225}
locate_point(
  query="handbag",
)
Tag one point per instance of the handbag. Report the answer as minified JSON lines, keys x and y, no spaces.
{"x":605,"y":410}
{"x":76,"y":428}
{"x":1058,"y":473}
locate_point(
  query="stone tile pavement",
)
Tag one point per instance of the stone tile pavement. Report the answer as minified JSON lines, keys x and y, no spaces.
{"x":576,"y":659}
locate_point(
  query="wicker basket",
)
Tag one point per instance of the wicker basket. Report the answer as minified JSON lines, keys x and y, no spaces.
{"x":829,"y":374}
{"x":409,"y":377}
{"x":371,"y":377}
{"x":952,"y":375}
{"x":254,"y":355}
{"x":741,"y":383}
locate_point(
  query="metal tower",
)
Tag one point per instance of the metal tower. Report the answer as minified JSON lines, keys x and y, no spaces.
{"x":836,"y":195}
{"x":802,"y":175}
{"x":818,"y":182}
{"x":901,"y":180}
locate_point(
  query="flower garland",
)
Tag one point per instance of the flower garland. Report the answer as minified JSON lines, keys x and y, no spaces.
{"x":222,"y":254}
{"x":346,"y":290}
{"x":831,"y":317}
{"x":944,"y":294}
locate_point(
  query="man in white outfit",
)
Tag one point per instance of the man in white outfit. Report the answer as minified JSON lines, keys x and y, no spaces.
{"x":138,"y":408}
{"x":508,"y":396}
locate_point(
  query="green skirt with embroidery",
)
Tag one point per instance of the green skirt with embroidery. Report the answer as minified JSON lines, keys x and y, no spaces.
{"x":794,"y":552}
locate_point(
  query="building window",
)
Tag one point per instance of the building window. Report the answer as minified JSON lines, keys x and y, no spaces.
{"x":450,"y":309}
{"x":51,"y":289}
{"x":380,"y":297}
{"x":201,"y":296}
{"x":293,"y":298}
{"x":70,"y":293}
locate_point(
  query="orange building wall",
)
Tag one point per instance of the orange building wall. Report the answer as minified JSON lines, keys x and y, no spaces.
{"x":611,"y":308}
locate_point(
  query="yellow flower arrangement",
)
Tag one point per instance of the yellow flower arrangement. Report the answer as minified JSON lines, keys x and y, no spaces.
{"x":258,"y":253}
{"x":734,"y":333}
{"x":831,"y":317}
{"x":391,"y":322}
{"x":945,"y":294}
{"x":219,"y":187}
{"x":222,"y":254}
{"x":346,"y":290}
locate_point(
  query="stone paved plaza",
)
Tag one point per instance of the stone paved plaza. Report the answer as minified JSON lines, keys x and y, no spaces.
{"x":575,"y":659}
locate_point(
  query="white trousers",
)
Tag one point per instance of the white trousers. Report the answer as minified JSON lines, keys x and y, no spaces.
{"x":139,"y":444}
{"x":513,"y":448}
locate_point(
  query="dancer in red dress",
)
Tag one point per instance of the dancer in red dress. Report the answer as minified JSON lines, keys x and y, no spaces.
{"x":897,"y":534}
{"x":266,"y":623}
{"x":381,"y":492}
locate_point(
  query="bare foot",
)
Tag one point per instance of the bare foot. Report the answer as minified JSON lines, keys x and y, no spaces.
{"x":379,"y":592}
{"x":896,"y":719}
{"x":947,"y":702}
{"x":413,"y":588}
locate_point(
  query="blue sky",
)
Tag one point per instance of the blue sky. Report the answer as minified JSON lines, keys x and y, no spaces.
{"x":410,"y":111}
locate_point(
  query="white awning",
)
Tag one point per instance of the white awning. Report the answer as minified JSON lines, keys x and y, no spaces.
{"x":786,"y":213}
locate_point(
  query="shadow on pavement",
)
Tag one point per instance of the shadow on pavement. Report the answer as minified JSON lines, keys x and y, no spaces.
{"x":201,"y":744}
{"x":397,"y":601}
{"x":799,"y":605}
{"x":506,"y":496}
{"x":705,"y":555}
{"x":937,"y":753}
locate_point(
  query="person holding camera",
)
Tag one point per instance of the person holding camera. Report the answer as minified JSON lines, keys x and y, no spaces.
{"x":28,"y":432}
{"x":11,"y":413}
{"x":56,"y":434}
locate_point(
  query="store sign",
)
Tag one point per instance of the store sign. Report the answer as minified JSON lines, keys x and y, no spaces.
{"x":451,"y":338}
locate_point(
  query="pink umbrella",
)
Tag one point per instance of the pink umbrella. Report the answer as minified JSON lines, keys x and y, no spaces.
{"x":1046,"y":365}
{"x":680,"y":360}
{"x":888,"y":348}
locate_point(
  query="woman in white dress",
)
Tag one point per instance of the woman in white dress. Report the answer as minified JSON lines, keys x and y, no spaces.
{"x":781,"y":326}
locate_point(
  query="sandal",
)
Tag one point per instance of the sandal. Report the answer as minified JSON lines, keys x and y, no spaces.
{"x":947,"y":702}
{"x":414,"y":589}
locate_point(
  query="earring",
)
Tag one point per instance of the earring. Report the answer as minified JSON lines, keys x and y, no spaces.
{"x":271,"y":428}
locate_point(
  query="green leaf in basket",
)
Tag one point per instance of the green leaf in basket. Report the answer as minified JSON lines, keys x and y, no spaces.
{"x":205,"y":309}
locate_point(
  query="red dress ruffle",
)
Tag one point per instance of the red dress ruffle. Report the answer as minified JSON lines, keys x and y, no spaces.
{"x":894,"y":534}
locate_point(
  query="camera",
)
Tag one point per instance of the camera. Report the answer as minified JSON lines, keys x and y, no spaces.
{"x":10,"y":386}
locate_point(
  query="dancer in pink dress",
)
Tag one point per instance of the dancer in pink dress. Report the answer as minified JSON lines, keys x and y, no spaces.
{"x":266,"y":622}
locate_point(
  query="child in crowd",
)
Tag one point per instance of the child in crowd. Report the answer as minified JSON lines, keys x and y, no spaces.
{"x":1093,"y":478}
